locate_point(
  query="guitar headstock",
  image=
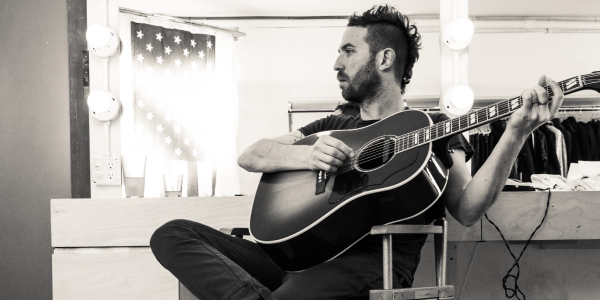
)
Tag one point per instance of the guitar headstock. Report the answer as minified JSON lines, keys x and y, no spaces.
{"x":591,"y":81}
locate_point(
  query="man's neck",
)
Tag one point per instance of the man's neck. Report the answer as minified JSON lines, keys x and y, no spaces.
{"x":384,"y":105}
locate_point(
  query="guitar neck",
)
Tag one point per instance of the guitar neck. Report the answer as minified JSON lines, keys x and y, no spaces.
{"x":477,"y":118}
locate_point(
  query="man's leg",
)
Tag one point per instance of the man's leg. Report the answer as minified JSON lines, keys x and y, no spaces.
{"x":349,"y":276}
{"x":214,"y":265}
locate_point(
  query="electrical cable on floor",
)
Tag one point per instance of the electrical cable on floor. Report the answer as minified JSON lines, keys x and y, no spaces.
{"x":516,"y":291}
{"x":462,"y":288}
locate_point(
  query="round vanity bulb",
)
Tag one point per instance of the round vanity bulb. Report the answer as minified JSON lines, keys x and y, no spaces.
{"x":462,"y":29}
{"x":99,"y":101}
{"x":98,"y":36}
{"x":462,"y":97}
{"x":457,"y":100}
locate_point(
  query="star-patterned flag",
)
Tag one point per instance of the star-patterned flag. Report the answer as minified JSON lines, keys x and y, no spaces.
{"x":173,"y":71}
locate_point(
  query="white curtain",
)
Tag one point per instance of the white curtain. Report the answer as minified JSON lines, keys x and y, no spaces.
{"x":216,"y":172}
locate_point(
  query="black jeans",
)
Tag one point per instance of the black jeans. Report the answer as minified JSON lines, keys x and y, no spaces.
{"x":214,"y":266}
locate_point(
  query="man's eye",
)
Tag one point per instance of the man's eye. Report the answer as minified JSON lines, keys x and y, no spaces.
{"x":348,"y":50}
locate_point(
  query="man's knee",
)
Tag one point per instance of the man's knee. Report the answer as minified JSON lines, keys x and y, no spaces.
{"x":165,"y":238}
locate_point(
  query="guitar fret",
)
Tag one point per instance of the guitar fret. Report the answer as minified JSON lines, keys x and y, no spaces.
{"x":503,"y":108}
{"x":492,"y":111}
{"x":484,"y":115}
{"x":463,"y":122}
{"x":472,"y":118}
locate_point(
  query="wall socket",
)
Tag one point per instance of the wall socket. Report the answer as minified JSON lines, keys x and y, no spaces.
{"x":106,"y":170}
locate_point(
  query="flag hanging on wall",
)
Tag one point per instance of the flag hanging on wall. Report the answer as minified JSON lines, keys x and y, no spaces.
{"x":173,"y":83}
{"x":173,"y":72}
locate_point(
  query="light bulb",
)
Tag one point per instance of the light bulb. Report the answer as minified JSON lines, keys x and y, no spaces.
{"x":457,"y":34}
{"x":457,"y":100}
{"x":462,"y":96}
{"x":98,"y":36}
{"x":462,"y":29}
{"x":99,"y":101}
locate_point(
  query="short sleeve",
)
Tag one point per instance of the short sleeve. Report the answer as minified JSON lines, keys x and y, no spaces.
{"x":314,"y":127}
{"x":331,"y":122}
{"x":457,"y":141}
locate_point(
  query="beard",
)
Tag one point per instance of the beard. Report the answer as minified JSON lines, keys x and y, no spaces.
{"x":364,"y":85}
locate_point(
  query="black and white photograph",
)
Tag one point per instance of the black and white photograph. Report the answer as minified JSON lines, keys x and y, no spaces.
{"x":300,"y":150}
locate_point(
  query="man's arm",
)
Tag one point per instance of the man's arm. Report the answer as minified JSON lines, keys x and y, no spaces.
{"x":278,"y":154}
{"x":466,"y":198}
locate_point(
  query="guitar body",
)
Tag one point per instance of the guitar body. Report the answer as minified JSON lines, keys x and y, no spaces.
{"x":300,"y":226}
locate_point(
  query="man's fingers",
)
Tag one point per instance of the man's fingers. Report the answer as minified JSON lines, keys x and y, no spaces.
{"x":542,"y":95}
{"x":557,"y":98}
{"x":333,"y":142}
{"x":527,"y":100}
{"x":542,"y":80}
{"x":332,"y":151}
{"x":325,"y":167}
{"x":330,"y":160}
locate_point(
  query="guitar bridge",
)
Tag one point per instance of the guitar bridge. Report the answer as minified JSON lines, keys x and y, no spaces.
{"x":322,"y":179}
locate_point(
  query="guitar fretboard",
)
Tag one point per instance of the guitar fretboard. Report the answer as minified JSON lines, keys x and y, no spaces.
{"x":476,"y":118}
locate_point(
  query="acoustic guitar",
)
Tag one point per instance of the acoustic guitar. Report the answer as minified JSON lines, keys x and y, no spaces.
{"x":304,"y":218}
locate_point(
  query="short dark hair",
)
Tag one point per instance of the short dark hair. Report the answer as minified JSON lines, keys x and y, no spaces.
{"x":388,"y":28}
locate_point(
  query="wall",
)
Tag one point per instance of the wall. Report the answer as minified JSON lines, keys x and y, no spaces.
{"x":34,"y":129}
{"x":284,"y":64}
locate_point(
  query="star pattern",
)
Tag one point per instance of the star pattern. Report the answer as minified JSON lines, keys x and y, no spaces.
{"x":165,"y":65}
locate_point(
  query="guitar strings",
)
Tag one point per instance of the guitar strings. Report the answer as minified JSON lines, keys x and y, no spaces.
{"x":422,"y":132}
{"x":378,"y":152}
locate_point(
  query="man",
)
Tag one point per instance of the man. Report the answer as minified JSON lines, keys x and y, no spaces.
{"x":377,"y":53}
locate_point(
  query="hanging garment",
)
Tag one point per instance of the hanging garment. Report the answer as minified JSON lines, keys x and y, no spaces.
{"x":584,"y":141}
{"x":561,"y":150}
{"x":553,"y":163}
{"x":571,"y":125}
{"x":596,"y":126}
{"x":593,"y":141}
{"x":525,"y":158}
{"x":567,"y":138}
{"x":540,"y":152}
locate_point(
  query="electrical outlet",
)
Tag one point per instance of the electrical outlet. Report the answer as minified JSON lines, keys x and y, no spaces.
{"x":106,"y":170}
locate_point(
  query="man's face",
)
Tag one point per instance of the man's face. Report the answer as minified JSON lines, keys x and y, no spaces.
{"x":357,"y":74}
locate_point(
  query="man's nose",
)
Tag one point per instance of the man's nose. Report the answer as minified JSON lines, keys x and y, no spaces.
{"x":337,"y":66}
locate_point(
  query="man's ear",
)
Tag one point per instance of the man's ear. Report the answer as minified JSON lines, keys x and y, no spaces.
{"x":386,"y":58}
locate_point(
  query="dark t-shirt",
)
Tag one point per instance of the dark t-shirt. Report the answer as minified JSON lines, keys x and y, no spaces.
{"x":407,"y":248}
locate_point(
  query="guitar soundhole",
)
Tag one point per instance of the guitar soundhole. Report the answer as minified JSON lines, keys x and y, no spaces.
{"x":376,"y":153}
